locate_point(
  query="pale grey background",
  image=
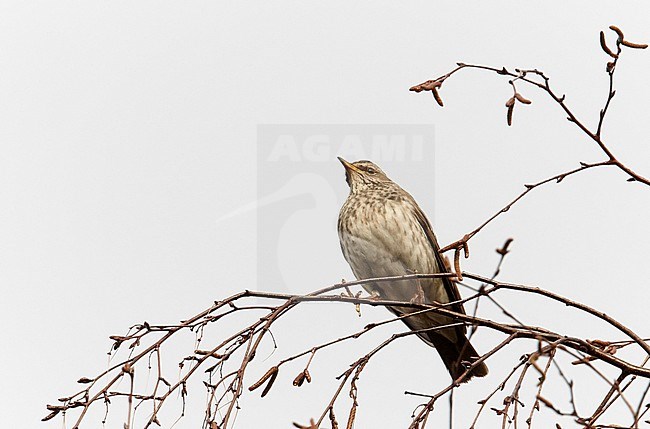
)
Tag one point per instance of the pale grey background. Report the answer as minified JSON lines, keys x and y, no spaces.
{"x":128,"y":128}
{"x":296,"y":189}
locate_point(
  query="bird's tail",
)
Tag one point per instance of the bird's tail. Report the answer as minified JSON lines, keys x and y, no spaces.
{"x":458,"y":356}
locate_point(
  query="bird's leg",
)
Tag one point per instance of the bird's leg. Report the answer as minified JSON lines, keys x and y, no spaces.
{"x":348,"y":292}
{"x":418,"y":298}
{"x":374,"y":295}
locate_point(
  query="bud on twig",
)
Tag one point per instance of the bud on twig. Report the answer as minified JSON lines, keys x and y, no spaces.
{"x":430,"y":85}
{"x":426,"y":86}
{"x":504,"y":249}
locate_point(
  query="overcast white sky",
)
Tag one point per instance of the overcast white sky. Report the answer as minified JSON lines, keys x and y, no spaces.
{"x":130,"y":163}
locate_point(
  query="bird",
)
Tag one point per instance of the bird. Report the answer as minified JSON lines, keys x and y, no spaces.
{"x":383,"y":232}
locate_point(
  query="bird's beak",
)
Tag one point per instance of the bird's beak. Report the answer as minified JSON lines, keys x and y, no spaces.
{"x":349,"y":166}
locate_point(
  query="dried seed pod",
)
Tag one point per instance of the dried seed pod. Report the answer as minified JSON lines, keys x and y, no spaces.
{"x":50,"y":416}
{"x":300,"y":378}
{"x":618,"y":31}
{"x":510,"y":102}
{"x":55,"y":407}
{"x":603,"y":44}
{"x":353,"y":414}
{"x":510,"y":110}
{"x":584,"y":360}
{"x":459,"y":273}
{"x":611,"y":349}
{"x":634,"y":45}
{"x":522,"y":99}
{"x":270,"y":383}
{"x":434,"y":91}
{"x":307,"y":376}
{"x":271,"y":372}
{"x":431,"y":85}
{"x":599,"y":343}
{"x":335,"y":424}
{"x":426,"y":86}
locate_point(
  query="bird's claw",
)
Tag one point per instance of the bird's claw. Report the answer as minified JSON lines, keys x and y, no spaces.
{"x":374,"y":295}
{"x":418,"y":298}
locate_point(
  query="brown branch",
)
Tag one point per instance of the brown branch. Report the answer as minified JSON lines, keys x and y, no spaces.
{"x":458,"y":244}
{"x":560,"y":100}
{"x":421,"y":417}
{"x":522,"y":75}
{"x":637,"y":412}
{"x":360,"y":363}
{"x":603,"y":404}
{"x":247,"y":341}
{"x":599,"y":314}
{"x":542,"y":380}
{"x":252,"y":335}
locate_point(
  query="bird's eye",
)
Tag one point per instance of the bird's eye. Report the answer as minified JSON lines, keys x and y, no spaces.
{"x":371,"y":170}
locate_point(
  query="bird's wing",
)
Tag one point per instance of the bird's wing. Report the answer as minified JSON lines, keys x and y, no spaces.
{"x":450,"y":287}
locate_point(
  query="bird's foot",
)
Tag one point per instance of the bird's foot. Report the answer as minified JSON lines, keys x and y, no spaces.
{"x":374,"y":295}
{"x":418,"y":298}
{"x":348,"y":293}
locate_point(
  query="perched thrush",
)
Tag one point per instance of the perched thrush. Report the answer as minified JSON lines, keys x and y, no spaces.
{"x":383,"y":232}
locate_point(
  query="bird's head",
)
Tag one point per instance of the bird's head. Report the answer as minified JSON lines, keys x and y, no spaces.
{"x":363,"y":174}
